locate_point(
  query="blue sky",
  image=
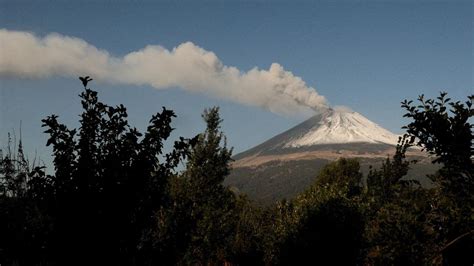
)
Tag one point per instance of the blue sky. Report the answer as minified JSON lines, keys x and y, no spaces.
{"x":368,"y":55}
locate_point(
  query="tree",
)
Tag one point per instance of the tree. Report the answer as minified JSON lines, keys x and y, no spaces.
{"x":109,"y":182}
{"x":251,"y":232}
{"x":324,"y":224}
{"x":384,"y":183}
{"x":443,"y":128}
{"x":398,"y":232}
{"x":201,"y":217}
{"x":343,"y":172}
{"x":212,"y":203}
{"x":14,"y":170}
{"x":24,"y":191}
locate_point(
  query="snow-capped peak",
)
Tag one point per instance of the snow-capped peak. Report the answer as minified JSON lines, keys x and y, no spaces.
{"x":342,"y":126}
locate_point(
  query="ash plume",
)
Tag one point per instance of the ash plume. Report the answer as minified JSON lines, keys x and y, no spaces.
{"x":186,"y":66}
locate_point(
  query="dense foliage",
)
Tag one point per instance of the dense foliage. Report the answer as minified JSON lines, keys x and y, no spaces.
{"x":116,"y":198}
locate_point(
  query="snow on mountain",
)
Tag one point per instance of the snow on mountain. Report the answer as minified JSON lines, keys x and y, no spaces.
{"x":334,"y":130}
{"x":341,"y":126}
{"x":288,"y":163}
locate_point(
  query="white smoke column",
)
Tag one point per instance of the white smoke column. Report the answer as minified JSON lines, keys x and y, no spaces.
{"x":186,"y":66}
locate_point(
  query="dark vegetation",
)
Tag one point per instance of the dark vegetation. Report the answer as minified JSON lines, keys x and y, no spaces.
{"x":116,"y":198}
{"x":277,"y":180}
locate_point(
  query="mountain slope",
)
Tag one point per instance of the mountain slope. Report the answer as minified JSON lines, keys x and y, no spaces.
{"x":343,"y":127}
{"x":332,"y":130}
{"x":288,"y":163}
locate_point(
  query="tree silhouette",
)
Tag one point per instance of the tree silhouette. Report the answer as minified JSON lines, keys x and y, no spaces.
{"x":109,"y":182}
{"x":202,"y":211}
{"x":116,"y":197}
{"x":442,"y":128}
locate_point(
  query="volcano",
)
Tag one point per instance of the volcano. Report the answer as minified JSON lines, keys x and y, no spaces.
{"x":330,"y":134}
{"x":286,"y":164}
